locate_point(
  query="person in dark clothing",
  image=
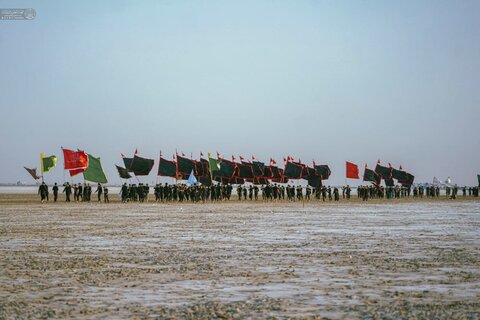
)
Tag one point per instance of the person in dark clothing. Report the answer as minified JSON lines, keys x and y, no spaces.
{"x":55,"y":192}
{"x":99,"y":192}
{"x":105,"y":194}
{"x":67,"y":189}
{"x":124,"y":192}
{"x":336,"y":194}
{"x":43,"y":192}
{"x":80,"y":192}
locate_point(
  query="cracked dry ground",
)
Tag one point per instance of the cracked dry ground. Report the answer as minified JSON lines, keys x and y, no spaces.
{"x":241,"y":260}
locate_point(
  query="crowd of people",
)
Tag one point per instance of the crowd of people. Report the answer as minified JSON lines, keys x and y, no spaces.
{"x":223,"y":192}
{"x":81,"y":192}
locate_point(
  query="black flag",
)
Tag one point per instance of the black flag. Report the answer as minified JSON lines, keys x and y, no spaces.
{"x":33,"y":173}
{"x":123,"y":173}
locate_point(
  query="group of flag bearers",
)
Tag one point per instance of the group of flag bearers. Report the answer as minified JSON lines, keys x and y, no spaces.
{"x":212,"y":179}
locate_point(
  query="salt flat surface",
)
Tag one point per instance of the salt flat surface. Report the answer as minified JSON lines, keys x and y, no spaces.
{"x":236,"y":260}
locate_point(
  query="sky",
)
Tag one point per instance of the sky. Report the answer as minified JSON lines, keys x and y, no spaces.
{"x":330,"y":81}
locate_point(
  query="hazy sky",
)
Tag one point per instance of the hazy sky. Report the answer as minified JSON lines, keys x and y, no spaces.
{"x":325,"y":80}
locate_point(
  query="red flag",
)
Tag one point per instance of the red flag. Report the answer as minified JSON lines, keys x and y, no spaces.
{"x":74,"y":172}
{"x":201,"y":154}
{"x":136,"y":152}
{"x":233,"y":158}
{"x":400,"y":167}
{"x":241,"y":158}
{"x":352,"y":171}
{"x":299,"y":160}
{"x":272,"y":162}
{"x":253,"y":157}
{"x":75,"y":159}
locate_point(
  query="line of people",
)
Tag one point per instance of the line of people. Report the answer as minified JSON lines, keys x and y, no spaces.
{"x":80,"y":192}
{"x":220,"y":192}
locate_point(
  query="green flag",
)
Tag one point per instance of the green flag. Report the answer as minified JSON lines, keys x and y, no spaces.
{"x":227,"y":169}
{"x":141,"y":166}
{"x":293,"y":171}
{"x":123,"y":173}
{"x":214,"y":164}
{"x":94,"y":172}
{"x":167,"y":168}
{"x":47,"y":163}
{"x":372,"y":176}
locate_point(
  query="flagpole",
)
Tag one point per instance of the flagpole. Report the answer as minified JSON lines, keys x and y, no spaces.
{"x":64,"y":166}
{"x":41,"y":165}
{"x":159,"y":156}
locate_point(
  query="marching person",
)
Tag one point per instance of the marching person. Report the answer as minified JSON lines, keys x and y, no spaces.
{"x":55,"y":192}
{"x":99,"y":192}
{"x":67,"y":189}
{"x":105,"y":194}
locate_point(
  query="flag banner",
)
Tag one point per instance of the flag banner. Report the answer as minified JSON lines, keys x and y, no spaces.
{"x":203,"y":167}
{"x":383,"y":172}
{"x":128,"y":163}
{"x":167,"y":168}
{"x":399,"y":175}
{"x":281,"y":177}
{"x":75,"y":159}
{"x":267,"y":172}
{"x":214,"y":164}
{"x":323,"y":171}
{"x":123,"y":172}
{"x":389,"y":182}
{"x":185,"y":165}
{"x":74,"y":172}
{"x":47,"y":162}
{"x":33,"y":173}
{"x":227,"y":169}
{"x":315,"y":181}
{"x":258,"y":168}
{"x":277,"y":173}
{"x":409,"y":181}
{"x":352,"y":171}
{"x":244,"y":170}
{"x":94,"y":172}
{"x":293,"y":170}
{"x":141,"y":166}
{"x":372,"y":176}
{"x":309,"y":172}
{"x":191,"y":179}
{"x":200,"y":169}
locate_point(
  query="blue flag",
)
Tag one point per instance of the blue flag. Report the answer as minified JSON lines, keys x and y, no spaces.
{"x":191,"y":179}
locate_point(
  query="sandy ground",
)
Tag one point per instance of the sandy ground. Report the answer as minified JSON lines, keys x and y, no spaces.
{"x":404,"y":259}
